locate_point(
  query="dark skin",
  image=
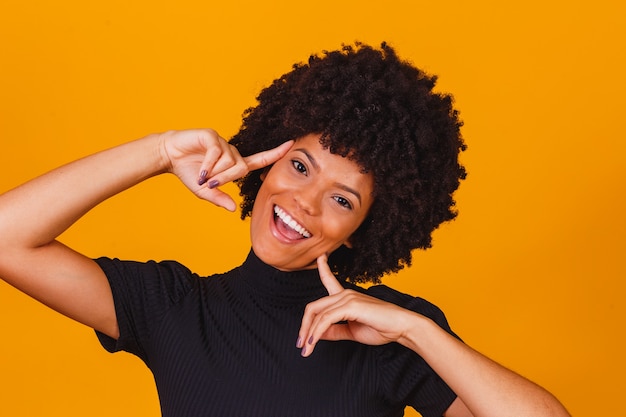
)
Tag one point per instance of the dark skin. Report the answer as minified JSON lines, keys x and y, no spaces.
{"x":32,"y":260}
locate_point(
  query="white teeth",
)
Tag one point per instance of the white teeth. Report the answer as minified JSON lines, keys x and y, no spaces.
{"x":291,"y":222}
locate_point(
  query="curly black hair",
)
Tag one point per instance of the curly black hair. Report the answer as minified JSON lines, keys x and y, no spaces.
{"x":381,"y":112}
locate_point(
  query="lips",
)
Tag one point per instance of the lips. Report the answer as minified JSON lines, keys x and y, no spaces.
{"x":288,"y":227}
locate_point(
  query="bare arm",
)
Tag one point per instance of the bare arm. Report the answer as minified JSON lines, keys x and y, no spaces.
{"x":484,"y":388}
{"x":33,"y":215}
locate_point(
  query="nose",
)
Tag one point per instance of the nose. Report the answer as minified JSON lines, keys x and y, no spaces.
{"x":307,"y":200}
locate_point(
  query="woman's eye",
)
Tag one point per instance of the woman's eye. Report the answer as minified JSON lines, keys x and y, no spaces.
{"x":343,"y":202}
{"x":299,"y":166}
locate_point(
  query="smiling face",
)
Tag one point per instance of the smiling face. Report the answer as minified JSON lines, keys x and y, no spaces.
{"x":310,"y":203}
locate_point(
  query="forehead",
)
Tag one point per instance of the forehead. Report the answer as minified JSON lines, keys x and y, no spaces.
{"x":311,"y":146}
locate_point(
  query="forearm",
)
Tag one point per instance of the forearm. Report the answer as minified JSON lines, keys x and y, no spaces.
{"x":487,"y":388}
{"x":35,"y":213}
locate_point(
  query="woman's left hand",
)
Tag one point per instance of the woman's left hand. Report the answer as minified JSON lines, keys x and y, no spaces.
{"x":349,"y":315}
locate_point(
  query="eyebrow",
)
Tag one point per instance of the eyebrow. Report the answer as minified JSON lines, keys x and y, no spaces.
{"x":338,"y":184}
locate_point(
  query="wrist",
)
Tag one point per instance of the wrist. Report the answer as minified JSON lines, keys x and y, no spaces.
{"x":417,"y":330}
{"x":158,"y":143}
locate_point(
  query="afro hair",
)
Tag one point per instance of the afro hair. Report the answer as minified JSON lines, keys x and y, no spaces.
{"x":381,"y":112}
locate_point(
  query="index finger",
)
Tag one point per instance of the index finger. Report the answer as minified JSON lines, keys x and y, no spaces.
{"x":326,"y":275}
{"x":265,"y":158}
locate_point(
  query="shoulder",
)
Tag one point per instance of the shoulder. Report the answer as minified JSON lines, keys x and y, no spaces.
{"x":151,"y":277}
{"x":115,"y":265}
{"x":410,"y":302}
{"x":401,"y":299}
{"x":403,"y":371}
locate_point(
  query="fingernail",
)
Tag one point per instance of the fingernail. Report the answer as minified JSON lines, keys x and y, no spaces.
{"x":213,"y":183}
{"x":299,"y":342}
{"x":202,"y":178}
{"x":303,"y":351}
{"x":311,"y":340}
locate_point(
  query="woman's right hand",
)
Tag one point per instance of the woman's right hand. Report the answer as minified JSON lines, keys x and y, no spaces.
{"x":203,"y":161}
{"x":32,"y":215}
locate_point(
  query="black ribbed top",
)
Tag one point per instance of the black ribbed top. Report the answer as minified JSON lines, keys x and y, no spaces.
{"x":224,"y":346}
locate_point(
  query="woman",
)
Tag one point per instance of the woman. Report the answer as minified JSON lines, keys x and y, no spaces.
{"x":349,"y":163}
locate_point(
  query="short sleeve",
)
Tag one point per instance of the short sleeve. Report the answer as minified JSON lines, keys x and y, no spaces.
{"x":142,"y":295}
{"x":406,"y":377}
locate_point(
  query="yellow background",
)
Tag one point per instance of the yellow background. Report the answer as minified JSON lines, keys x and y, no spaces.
{"x":532,"y":272}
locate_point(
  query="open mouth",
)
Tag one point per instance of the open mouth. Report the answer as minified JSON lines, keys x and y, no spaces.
{"x":288,"y":226}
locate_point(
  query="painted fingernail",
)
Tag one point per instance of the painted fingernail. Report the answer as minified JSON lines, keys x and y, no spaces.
{"x":299,"y":342}
{"x":213,"y":183}
{"x":310,"y":340}
{"x":303,"y":351}
{"x":202,"y":178}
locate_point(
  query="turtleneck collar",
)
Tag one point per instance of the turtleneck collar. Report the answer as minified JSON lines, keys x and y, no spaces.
{"x":280,"y":287}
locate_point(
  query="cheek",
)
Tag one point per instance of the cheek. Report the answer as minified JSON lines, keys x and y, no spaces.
{"x":340,"y":228}
{"x":260,"y":211}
